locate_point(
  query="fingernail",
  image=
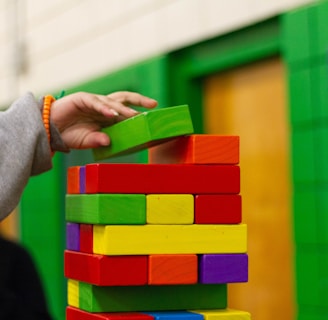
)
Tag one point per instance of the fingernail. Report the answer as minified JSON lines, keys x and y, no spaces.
{"x":115,"y":113}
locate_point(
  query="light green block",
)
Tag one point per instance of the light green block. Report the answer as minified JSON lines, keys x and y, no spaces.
{"x":106,"y":208}
{"x":145,"y":130}
{"x":151,"y":298}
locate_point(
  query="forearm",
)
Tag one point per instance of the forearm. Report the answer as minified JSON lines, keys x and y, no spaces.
{"x":24,"y":150}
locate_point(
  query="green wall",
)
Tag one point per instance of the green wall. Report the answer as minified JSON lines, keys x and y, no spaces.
{"x":300,"y":38}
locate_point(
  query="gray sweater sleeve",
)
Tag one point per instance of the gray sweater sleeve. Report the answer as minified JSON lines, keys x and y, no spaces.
{"x":24,"y":149}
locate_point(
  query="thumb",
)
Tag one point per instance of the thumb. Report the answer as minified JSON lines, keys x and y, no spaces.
{"x":95,"y":140}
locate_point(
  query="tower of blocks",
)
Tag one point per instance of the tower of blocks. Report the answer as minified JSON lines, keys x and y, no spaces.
{"x":156,"y":241}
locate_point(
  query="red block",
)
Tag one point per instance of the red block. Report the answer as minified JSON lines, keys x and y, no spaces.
{"x":86,"y":238}
{"x":218,"y":209}
{"x":106,"y":270}
{"x":73,"y":180}
{"x":77,"y":314}
{"x":162,"y":178}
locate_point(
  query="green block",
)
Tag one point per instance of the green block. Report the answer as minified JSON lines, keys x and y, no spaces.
{"x":319,"y":87}
{"x":145,"y":130}
{"x":106,"y":208}
{"x":151,"y":298}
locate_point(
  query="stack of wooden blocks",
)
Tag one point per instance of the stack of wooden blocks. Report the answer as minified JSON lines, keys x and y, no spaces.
{"x":159,"y":240}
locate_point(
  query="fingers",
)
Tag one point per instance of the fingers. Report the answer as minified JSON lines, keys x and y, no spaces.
{"x":133,"y":98}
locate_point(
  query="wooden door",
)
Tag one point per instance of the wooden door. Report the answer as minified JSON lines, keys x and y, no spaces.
{"x":250,"y":101}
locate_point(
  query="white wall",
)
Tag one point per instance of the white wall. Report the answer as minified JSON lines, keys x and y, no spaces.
{"x":70,"y":41}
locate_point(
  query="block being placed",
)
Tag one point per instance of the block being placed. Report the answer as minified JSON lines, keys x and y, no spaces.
{"x":172,"y":269}
{"x":106,"y":270}
{"x":170,"y":208}
{"x":78,"y":314}
{"x":197,"y":149}
{"x":162,"y":178}
{"x":145,"y":130}
{"x":223,"y":268}
{"x":169,"y":239}
{"x":106,"y":208}
{"x":218,"y":209}
{"x":93,"y":298}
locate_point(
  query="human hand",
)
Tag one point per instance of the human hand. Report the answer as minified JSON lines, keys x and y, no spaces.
{"x":80,"y":116}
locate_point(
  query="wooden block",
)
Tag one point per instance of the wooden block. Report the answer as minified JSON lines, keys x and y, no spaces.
{"x":172,"y":269}
{"x":86,"y":238}
{"x":73,"y":293}
{"x":197,"y":149}
{"x":169,"y":239}
{"x":78,"y":314}
{"x":223,"y":268}
{"x":218,"y":209}
{"x":106,"y":270}
{"x":106,"y":208}
{"x":175,"y":315}
{"x":150,"y":298}
{"x":82,"y":179}
{"x":73,"y":180}
{"x":145,"y":130}
{"x":72,"y":236}
{"x":170,"y":208}
{"x":224,"y":314}
{"x":162,"y":178}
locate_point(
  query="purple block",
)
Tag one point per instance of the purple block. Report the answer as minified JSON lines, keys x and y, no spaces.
{"x":223,"y":268}
{"x":73,"y":236}
{"x":82,"y":179}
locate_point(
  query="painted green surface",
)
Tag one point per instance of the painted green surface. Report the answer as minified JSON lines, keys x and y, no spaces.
{"x":152,"y":298}
{"x":42,"y":228}
{"x":145,"y":130}
{"x":106,"y":208}
{"x":319,"y":81}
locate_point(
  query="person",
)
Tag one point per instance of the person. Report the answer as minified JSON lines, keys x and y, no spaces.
{"x":22,"y":294}
{"x":31,"y":130}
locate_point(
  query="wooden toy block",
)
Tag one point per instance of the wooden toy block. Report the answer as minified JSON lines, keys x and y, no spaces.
{"x":223,"y":268}
{"x":172,"y":269}
{"x":72,"y":236}
{"x":78,"y":314}
{"x":149,"y":298}
{"x":145,"y":130}
{"x":218,"y":209}
{"x":176,"y":315}
{"x":197,"y":149}
{"x":169,"y":239}
{"x":106,"y":208}
{"x":73,"y":180}
{"x":73,"y":293}
{"x":106,"y":270}
{"x":170,"y":208}
{"x":86,"y":238}
{"x":223,"y":314}
{"x":162,"y":178}
{"x":82,"y":179}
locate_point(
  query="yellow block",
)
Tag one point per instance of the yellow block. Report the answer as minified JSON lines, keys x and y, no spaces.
{"x":73,"y":293}
{"x":170,"y":208}
{"x":223,"y":314}
{"x":164,"y":239}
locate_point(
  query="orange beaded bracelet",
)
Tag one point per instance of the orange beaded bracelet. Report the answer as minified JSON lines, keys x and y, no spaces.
{"x":47,"y":101}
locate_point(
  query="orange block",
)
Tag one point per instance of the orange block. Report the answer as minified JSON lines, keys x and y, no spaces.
{"x":73,"y":180}
{"x":166,"y":269}
{"x":197,"y":149}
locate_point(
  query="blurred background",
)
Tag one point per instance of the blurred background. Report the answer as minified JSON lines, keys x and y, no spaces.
{"x":253,"y":68}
